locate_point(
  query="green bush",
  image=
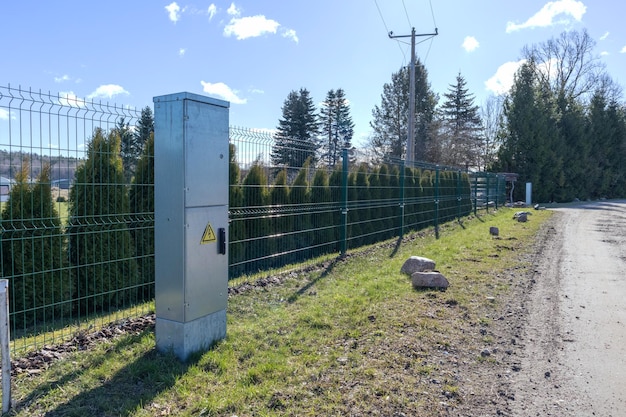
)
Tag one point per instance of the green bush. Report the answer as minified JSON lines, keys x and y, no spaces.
{"x":141,"y":198}
{"x":33,"y":251}
{"x":100,"y":244}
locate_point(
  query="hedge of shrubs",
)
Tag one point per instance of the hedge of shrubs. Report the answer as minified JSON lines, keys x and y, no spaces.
{"x":283,"y":222}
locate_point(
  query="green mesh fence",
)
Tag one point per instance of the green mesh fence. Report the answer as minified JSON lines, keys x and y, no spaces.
{"x":77,"y":216}
{"x":283,"y":215}
{"x":77,"y":225}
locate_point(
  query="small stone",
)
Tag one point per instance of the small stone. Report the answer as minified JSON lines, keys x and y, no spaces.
{"x":485,"y":352}
{"x":494,"y":231}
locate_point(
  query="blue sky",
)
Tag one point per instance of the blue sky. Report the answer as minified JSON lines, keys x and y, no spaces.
{"x":253,"y":53}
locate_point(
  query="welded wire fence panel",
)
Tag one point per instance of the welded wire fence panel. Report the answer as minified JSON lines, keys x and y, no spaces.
{"x":288,"y":206}
{"x":74,"y":215}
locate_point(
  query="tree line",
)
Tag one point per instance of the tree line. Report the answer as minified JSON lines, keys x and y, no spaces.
{"x":562,"y":125}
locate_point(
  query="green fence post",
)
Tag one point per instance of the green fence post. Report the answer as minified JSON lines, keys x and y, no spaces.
{"x":497,"y":190}
{"x":487,"y":193}
{"x":475,"y":194}
{"x":344,"y":203}
{"x":437,"y":202}
{"x":401,"y":203}
{"x":458,"y":196}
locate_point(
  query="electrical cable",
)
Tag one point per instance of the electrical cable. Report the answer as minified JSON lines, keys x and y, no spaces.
{"x":406,"y":14}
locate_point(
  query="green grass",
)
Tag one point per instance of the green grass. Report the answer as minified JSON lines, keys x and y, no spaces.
{"x":352,"y":339}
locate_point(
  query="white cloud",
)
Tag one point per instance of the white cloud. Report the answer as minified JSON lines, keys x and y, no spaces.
{"x":257,"y":91}
{"x":623,"y":51}
{"x":546,"y":16}
{"x":107,"y":91}
{"x":212,"y":10}
{"x":250,"y":27}
{"x":223,"y":91}
{"x":233,"y":10}
{"x":173,"y":9}
{"x":290,"y":34}
{"x":181,"y":52}
{"x":62,"y":78}
{"x":604,"y":53}
{"x":502,"y":80}
{"x":4,"y":114}
{"x":603,"y":37}
{"x":68,"y":98}
{"x":470,"y":44}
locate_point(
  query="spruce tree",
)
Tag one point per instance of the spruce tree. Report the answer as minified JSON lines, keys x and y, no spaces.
{"x":462,"y":127}
{"x":336,"y":125}
{"x":296,"y":138}
{"x":145,"y":126}
{"x":100,"y":244}
{"x":390,"y":119}
{"x":129,"y":148}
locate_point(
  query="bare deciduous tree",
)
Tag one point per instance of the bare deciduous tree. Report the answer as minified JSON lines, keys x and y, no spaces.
{"x":566,"y":64}
{"x":491,"y":115}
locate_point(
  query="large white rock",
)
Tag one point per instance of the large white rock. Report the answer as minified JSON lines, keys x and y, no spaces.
{"x":417,"y":264}
{"x":429,"y":279}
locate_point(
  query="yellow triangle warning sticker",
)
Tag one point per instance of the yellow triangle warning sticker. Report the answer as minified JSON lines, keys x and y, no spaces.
{"x":208,"y":236}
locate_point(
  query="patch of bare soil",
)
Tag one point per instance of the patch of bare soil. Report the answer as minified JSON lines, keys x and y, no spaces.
{"x":35,"y":362}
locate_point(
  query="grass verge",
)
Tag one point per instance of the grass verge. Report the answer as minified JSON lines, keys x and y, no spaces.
{"x":353,"y":339}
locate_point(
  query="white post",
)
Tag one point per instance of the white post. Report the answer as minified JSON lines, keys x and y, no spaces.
{"x":4,"y":341}
{"x":529,"y":193}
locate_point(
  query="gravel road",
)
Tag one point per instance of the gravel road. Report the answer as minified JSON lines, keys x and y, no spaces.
{"x":573,"y":360}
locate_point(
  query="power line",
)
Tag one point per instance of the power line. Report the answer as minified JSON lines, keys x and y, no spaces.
{"x":432,"y":12}
{"x":387,"y":29}
{"x":406,"y":14}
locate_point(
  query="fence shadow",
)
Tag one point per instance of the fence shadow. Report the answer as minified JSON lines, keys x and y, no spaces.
{"x":135,"y":384}
{"x":331,"y":265}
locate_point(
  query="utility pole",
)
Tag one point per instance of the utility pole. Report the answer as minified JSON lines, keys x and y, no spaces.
{"x":410,"y":140}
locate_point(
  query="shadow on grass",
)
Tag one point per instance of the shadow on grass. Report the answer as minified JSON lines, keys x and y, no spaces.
{"x":120,"y":394}
{"x":294,"y":297}
{"x":396,"y":248}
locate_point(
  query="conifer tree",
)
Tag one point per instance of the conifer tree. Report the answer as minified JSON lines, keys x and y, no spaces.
{"x":33,"y":251}
{"x":100,"y":245}
{"x":462,"y":127}
{"x":282,"y":218}
{"x":322,"y":218}
{"x":141,"y":196}
{"x":236,"y":229}
{"x":257,"y":226}
{"x":336,"y":126}
{"x":296,"y":135}
{"x":300,"y":197}
{"x":390,"y":119}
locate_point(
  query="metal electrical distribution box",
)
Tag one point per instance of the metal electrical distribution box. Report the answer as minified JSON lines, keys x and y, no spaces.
{"x":191,"y":221}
